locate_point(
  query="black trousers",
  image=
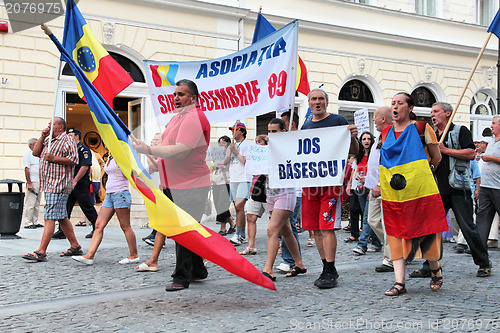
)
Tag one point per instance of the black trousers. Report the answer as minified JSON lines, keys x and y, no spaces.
{"x":188,"y":264}
{"x":221,"y":202}
{"x":488,"y":205}
{"x":81,"y":193}
{"x":354,"y":214}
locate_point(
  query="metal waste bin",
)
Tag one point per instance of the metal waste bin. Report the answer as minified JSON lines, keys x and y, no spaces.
{"x":11,"y":209}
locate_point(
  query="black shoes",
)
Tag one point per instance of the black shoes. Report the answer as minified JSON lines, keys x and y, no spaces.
{"x":327,"y":280}
{"x":90,"y":234}
{"x":174,"y":286}
{"x":384,"y":268}
{"x":59,"y":235}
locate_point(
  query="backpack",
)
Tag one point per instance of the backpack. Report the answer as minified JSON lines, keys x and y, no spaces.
{"x":460,"y":174}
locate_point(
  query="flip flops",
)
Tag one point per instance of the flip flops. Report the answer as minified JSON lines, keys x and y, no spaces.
{"x":145,"y":268}
{"x":81,"y":224}
{"x":296,"y":271}
{"x":267,"y":275}
{"x":35,"y":256}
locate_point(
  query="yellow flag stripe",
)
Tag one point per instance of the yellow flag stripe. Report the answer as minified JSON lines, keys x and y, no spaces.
{"x":417,"y":185}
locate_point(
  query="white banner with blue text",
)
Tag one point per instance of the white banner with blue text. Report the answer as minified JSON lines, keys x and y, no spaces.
{"x":308,"y":158}
{"x":256,"y":80}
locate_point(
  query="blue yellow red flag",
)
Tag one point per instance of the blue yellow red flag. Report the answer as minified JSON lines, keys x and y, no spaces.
{"x":411,"y":201}
{"x":163,"y":214}
{"x":264,"y":28}
{"x":100,"y":68}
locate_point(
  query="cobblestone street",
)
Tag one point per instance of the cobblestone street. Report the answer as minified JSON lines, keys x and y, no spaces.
{"x":62,"y":295}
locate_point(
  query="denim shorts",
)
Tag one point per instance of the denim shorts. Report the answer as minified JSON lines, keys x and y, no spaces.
{"x":116,"y":200}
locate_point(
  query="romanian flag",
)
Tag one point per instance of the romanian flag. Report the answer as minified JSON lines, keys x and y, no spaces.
{"x":100,"y":68}
{"x":264,"y":28}
{"x":164,"y":75}
{"x":164,"y":215}
{"x":411,"y":201}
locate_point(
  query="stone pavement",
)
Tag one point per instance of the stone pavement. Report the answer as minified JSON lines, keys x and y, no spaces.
{"x":62,"y":295}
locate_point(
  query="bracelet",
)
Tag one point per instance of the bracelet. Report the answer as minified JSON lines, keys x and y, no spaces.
{"x":149,"y":150}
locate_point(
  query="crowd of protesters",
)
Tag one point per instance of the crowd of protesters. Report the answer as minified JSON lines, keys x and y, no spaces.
{"x":366,"y":198}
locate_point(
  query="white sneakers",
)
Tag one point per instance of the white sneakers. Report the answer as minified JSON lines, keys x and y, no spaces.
{"x":285,"y":268}
{"x":83,"y":260}
{"x":128,"y":261}
{"x":237,"y":240}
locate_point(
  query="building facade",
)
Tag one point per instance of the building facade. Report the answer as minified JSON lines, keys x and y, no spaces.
{"x":361,"y":52}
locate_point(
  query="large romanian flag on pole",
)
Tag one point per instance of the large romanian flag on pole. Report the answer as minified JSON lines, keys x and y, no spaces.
{"x":411,"y":201}
{"x":99,"y":67}
{"x":164,"y":215}
{"x":264,"y":28}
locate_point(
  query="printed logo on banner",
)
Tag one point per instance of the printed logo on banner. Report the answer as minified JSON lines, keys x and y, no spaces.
{"x":308,"y":158}
{"x":245,"y":84}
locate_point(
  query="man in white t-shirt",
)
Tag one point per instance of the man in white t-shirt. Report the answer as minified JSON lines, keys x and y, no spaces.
{"x":239,"y":181}
{"x":32,"y":199}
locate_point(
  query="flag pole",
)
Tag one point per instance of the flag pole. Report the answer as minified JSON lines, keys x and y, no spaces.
{"x":48,"y":32}
{"x":466,"y":86}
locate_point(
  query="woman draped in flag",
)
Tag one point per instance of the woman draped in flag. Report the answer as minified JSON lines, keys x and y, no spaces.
{"x":413,"y":211}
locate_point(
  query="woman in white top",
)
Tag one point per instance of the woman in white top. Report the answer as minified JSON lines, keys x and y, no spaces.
{"x":118,"y":200}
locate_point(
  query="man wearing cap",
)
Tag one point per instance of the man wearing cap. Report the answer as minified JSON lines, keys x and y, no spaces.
{"x":81,"y":184}
{"x":239,"y":182}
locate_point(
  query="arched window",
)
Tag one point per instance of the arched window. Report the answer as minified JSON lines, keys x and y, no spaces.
{"x":423,"y":97}
{"x":132,"y":69}
{"x":356,"y":91}
{"x":483,"y":104}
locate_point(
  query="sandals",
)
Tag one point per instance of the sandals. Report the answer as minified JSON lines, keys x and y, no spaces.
{"x":347,"y":228}
{"x":484,"y":271}
{"x":419,"y":273}
{"x":72,"y":251}
{"x":81,"y":224}
{"x":436,"y":281}
{"x":296,"y":271}
{"x":267,"y":275}
{"x":351,"y":239}
{"x":36,"y":256}
{"x":249,"y":250}
{"x":394,"y":291}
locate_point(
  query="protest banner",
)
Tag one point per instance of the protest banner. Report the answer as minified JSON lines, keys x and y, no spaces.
{"x":257,"y":160}
{"x":215,"y":153}
{"x":245,"y":84}
{"x":308,"y":158}
{"x":362,"y":121}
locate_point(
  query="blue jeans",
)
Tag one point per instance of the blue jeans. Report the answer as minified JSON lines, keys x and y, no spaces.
{"x":367,"y":232}
{"x":285,"y":253}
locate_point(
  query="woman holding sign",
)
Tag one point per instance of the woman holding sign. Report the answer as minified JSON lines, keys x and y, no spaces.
{"x":281,"y":203}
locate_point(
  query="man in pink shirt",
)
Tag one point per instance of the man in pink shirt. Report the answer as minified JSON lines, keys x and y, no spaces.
{"x":184,"y":176}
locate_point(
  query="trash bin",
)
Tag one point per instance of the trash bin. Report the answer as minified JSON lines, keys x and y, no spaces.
{"x":11,"y":209}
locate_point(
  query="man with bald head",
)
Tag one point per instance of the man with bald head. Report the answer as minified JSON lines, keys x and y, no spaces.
{"x":382,"y":118}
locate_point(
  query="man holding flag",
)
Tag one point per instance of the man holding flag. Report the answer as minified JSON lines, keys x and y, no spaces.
{"x":184,"y":175}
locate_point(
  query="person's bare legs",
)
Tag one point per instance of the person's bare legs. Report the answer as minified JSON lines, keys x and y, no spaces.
{"x":329,"y":245}
{"x":67,"y":228}
{"x":48,"y":231}
{"x":153,"y":259}
{"x":105,"y":214}
{"x":278,"y":224}
{"x":239,"y":205}
{"x":251,"y":229}
{"x":123,"y":215}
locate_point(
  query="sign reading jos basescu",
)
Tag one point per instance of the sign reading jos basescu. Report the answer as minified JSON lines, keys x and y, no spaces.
{"x":245,"y":84}
{"x":308,"y":158}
